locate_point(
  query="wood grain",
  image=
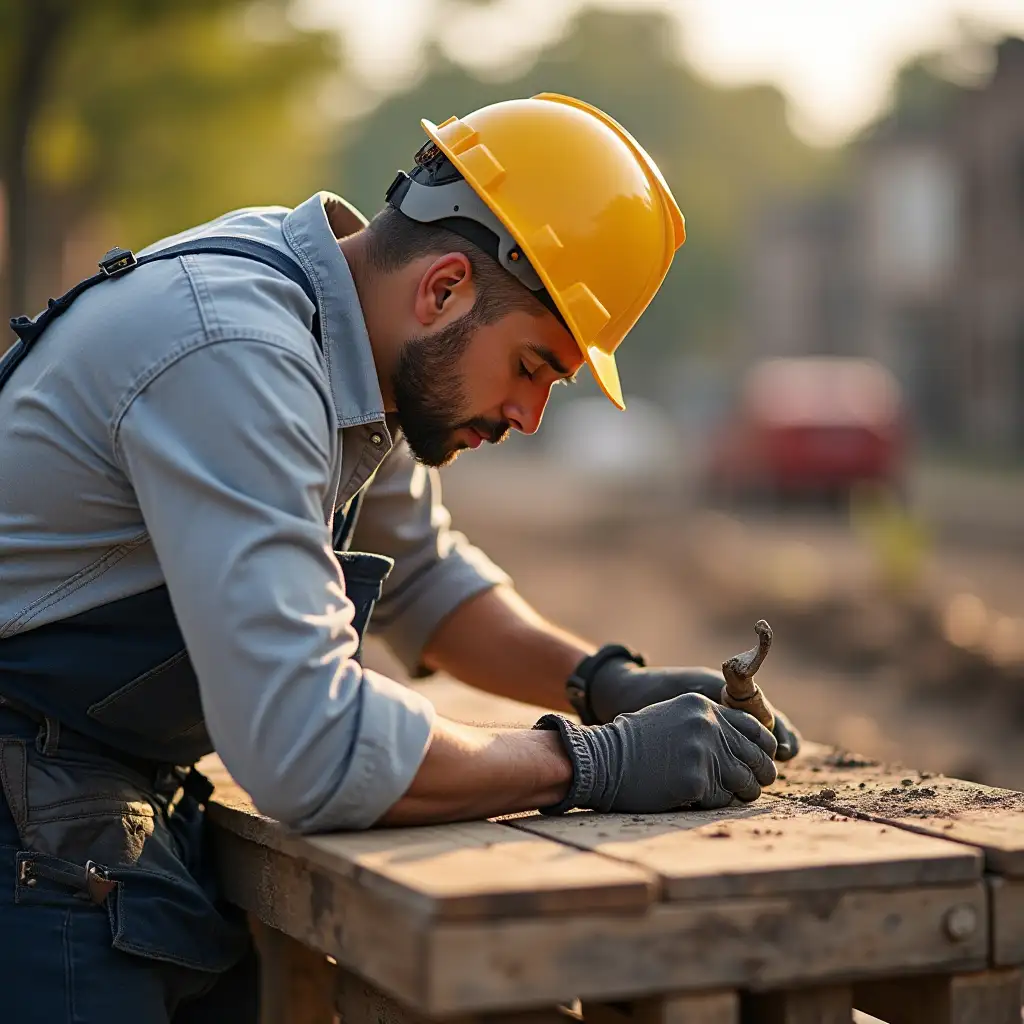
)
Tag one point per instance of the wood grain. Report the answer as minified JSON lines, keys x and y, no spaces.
{"x":771,"y":847}
{"x":1006,"y":900}
{"x":296,"y":982}
{"x":758,"y":943}
{"x":845,"y":871}
{"x":472,"y":870}
{"x":483,"y":870}
{"x":326,"y":913}
{"x":445,"y":968}
{"x":966,"y":812}
{"x":361,"y":1003}
{"x":983,"y":997}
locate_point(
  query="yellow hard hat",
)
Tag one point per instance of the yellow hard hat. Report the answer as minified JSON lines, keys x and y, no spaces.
{"x":593,"y":226}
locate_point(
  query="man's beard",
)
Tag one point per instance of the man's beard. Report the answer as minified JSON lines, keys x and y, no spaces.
{"x":430,"y":396}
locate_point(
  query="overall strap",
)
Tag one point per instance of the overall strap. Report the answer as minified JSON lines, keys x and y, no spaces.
{"x":345,"y":525}
{"x":121,"y":261}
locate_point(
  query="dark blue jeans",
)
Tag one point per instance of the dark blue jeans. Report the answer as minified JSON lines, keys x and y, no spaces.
{"x":142,"y":937}
{"x":157,"y":949}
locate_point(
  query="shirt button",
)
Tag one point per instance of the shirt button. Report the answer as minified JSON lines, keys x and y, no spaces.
{"x":377,"y":439}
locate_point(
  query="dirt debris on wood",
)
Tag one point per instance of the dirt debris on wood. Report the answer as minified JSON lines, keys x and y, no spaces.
{"x":878,"y":790}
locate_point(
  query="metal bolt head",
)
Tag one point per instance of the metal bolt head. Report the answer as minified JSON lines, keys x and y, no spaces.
{"x":961,"y":922}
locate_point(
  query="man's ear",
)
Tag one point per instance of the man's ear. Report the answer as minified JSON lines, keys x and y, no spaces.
{"x":446,"y":290}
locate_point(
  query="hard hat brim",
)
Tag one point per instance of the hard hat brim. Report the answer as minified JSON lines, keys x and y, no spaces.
{"x":606,"y":373}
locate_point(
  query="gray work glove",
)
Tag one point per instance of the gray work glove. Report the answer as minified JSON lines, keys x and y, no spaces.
{"x":684,"y":752}
{"x":620,"y":684}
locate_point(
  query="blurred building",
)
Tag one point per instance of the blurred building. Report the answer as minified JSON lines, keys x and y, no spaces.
{"x":916,"y":260}
{"x":988,"y":141}
{"x":906,"y":224}
{"x":801,"y":289}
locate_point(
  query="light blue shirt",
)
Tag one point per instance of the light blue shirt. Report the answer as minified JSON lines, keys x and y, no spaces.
{"x":179,"y":425}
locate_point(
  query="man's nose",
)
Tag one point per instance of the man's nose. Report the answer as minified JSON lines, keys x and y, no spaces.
{"x":527,"y":410}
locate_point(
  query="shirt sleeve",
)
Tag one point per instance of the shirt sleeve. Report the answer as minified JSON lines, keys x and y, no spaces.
{"x":436,"y":568}
{"x":228,"y":449}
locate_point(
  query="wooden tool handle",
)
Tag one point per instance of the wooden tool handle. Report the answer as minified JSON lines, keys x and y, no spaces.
{"x":740,"y":690}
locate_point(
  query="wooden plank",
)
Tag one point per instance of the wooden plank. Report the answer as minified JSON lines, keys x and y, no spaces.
{"x":770,"y":847}
{"x":722,"y":1007}
{"x":296,"y":982}
{"x":327,"y":913}
{"x":754,"y":943}
{"x":481,"y":869}
{"x":1006,"y":906}
{"x":824,"y":1004}
{"x":965,"y":812}
{"x":458,"y":872}
{"x":984,"y":997}
{"x":461,"y":967}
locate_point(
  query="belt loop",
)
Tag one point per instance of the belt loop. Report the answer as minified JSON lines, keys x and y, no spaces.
{"x":49,"y":736}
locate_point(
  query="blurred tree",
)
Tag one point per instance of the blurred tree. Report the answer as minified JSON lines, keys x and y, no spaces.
{"x":718,"y":148}
{"x":138,"y":118}
{"x":921,"y":101}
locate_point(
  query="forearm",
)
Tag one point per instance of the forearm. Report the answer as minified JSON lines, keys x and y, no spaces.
{"x":498,"y":643}
{"x":470,"y":773}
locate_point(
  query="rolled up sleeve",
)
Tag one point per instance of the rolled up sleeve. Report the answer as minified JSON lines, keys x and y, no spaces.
{"x":436,"y":568}
{"x":229,"y":451}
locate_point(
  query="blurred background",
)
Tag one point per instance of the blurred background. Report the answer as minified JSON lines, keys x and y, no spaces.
{"x":825,"y":423}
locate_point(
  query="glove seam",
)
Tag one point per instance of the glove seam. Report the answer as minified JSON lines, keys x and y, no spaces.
{"x":575,"y":741}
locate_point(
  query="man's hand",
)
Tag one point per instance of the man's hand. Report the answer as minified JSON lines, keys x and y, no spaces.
{"x":683,"y":752}
{"x":498,"y":643}
{"x":620,"y":686}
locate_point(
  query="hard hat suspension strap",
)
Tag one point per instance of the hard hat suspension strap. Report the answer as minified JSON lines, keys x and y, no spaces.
{"x":448,"y":201}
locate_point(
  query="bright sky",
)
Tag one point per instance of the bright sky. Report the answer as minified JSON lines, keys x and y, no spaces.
{"x":833,"y":59}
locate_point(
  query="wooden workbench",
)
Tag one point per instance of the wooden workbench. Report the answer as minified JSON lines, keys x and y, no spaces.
{"x":849,"y":885}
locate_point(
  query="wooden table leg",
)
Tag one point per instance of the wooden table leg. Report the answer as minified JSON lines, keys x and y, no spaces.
{"x":296,"y":982}
{"x":1007,"y":902}
{"x":983,"y":997}
{"x":823,"y":1004}
{"x":358,"y":1002}
{"x":722,"y":1007}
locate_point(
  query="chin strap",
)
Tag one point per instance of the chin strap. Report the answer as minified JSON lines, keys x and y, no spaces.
{"x":577,"y":687}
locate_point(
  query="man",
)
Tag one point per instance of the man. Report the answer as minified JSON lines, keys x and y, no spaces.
{"x":186,"y":447}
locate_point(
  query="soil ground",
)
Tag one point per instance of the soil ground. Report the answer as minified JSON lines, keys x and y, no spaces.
{"x":606,"y":564}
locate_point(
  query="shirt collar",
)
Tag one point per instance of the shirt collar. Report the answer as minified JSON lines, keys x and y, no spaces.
{"x":347,"y":352}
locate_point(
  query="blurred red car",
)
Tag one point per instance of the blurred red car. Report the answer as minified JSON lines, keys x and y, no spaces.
{"x":813,"y":426}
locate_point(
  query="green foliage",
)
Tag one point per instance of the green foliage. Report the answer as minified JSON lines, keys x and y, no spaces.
{"x":719,"y":149}
{"x":159,"y":113}
{"x":897,"y":539}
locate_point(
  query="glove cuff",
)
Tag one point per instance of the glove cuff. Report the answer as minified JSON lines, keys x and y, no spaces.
{"x":577,"y":687}
{"x":576,"y":746}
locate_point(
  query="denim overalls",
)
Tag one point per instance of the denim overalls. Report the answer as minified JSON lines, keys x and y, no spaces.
{"x":109,"y":906}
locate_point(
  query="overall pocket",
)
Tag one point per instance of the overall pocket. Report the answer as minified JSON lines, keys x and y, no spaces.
{"x":94,"y":832}
{"x":165,"y":698}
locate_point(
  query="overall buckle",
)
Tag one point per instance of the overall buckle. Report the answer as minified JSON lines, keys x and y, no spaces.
{"x":97,"y":884}
{"x":117,"y":260}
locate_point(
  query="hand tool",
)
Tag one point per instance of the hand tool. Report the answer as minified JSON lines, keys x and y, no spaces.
{"x":740,"y":690}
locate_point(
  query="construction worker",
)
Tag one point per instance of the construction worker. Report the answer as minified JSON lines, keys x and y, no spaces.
{"x":217,"y":456}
